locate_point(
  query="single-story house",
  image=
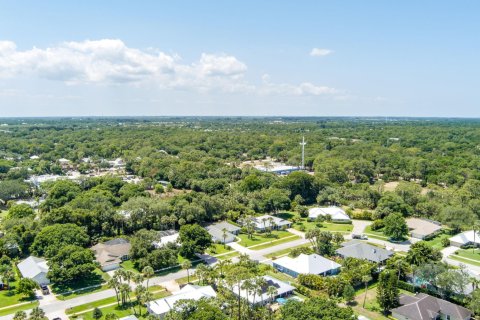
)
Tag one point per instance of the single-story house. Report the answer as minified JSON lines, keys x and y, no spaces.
{"x":425,"y":307}
{"x":337,"y":214}
{"x":422,"y":228}
{"x":277,"y":168}
{"x":466,"y":238}
{"x":283,"y":290}
{"x":166,"y":236}
{"x":111,"y":253}
{"x":361,"y":250}
{"x":159,"y":308}
{"x":306,"y":264}
{"x":265,"y":222}
{"x":34,"y":268}
{"x":223,"y":232}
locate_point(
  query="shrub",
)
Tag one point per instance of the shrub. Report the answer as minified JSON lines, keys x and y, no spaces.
{"x":377,"y":225}
{"x":445,"y":242}
{"x":364,"y":215}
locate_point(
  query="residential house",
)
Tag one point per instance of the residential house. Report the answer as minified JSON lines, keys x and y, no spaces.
{"x":361,"y":250}
{"x":223,"y":232}
{"x":423,"y":228}
{"x":283,"y":289}
{"x":425,"y":307}
{"x":111,"y":253}
{"x":34,"y":268}
{"x":165,"y":237}
{"x":466,"y":238}
{"x":159,"y":308}
{"x":336,"y":214}
{"x":306,"y":264}
{"x":265,"y":222}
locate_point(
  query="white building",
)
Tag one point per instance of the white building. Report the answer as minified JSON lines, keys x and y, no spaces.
{"x":337,"y":214}
{"x":466,"y":238}
{"x":265,"y":222}
{"x":34,"y":268}
{"x":283,"y":290}
{"x":161,"y":307}
{"x":306,"y":264}
{"x":166,"y":237}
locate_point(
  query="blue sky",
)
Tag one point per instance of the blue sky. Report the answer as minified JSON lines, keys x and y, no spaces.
{"x":308,"y":58}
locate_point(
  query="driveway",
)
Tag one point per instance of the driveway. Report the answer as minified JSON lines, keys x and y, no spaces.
{"x":359,"y":226}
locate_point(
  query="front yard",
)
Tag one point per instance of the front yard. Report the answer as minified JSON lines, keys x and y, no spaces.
{"x":261,"y":238}
{"x":11,"y":297}
{"x":467,"y":256}
{"x":86,"y":286}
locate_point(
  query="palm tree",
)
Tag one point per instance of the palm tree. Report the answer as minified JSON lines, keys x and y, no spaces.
{"x":224,"y":235}
{"x":476,"y":227}
{"x":272,"y":224}
{"x":264,"y":220}
{"x":201,"y":273}
{"x":125,"y":290}
{"x":37,"y":314}
{"x":186,"y":265}
{"x":140,"y":292}
{"x":366,"y":279}
{"x":114,"y":283}
{"x":7,"y":275}
{"x":272,"y":292}
{"x":20,"y":315}
{"x":222,"y":264}
{"x":148,"y":272}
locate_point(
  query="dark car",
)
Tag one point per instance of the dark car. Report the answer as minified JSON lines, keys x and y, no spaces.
{"x":44,"y":289}
{"x":57,"y":318}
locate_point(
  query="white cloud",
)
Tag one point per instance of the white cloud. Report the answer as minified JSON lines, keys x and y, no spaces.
{"x":318,"y":52}
{"x":112,"y":62}
{"x":304,"y":88}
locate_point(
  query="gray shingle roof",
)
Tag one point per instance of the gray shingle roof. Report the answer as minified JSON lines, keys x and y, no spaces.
{"x":366,"y":251}
{"x":426,"y":307}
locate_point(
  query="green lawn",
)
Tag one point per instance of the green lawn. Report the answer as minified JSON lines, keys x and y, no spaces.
{"x":11,"y":310}
{"x":259,"y":238}
{"x":436,"y":242}
{"x":465,"y":261}
{"x":230,"y":255}
{"x":285,"y":251}
{"x":128,"y":265}
{"x":378,"y":234}
{"x":158,"y":293}
{"x":467,"y":256}
{"x":275,"y":242}
{"x":218,"y":248}
{"x":305,"y":225}
{"x":11,"y":297}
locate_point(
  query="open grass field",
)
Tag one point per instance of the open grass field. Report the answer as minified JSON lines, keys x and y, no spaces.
{"x":260,"y":238}
{"x":218,"y":248}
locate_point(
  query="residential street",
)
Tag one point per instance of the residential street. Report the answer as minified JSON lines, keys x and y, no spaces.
{"x":55,"y":308}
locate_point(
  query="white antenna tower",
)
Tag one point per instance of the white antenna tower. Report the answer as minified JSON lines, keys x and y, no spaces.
{"x":303,"y":143}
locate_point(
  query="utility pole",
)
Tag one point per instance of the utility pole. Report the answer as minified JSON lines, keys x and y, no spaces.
{"x":303,"y":143}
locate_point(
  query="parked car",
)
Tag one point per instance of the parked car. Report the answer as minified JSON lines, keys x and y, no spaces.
{"x":44,"y":289}
{"x":359,"y":236}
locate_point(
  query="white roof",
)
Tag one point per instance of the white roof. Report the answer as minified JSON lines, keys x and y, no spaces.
{"x":130,"y":317}
{"x":276,"y":168}
{"x":34,"y":157}
{"x":166,"y":239}
{"x":282,"y":288}
{"x":190,"y":292}
{"x":466,"y":237}
{"x":63,"y":160}
{"x":335,"y":212}
{"x":32,"y":267}
{"x":278,"y":221}
{"x":308,"y":264}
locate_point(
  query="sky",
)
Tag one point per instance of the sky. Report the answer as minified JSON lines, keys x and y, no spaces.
{"x":240,"y":58}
